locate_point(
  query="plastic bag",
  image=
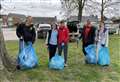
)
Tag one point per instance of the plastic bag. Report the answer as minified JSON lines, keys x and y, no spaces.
{"x":57,"y":62}
{"x":27,"y":57}
{"x":91,"y":54}
{"x":103,"y":56}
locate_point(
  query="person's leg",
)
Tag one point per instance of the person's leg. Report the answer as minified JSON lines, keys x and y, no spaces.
{"x":54,"y":50}
{"x":65,"y":52}
{"x":60,"y":49}
{"x":50,"y":52}
{"x":83,"y":49}
{"x":21,"y":45}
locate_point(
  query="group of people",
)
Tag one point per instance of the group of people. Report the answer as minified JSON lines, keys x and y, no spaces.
{"x":58,"y":37}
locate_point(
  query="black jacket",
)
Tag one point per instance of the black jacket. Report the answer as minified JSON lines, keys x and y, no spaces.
{"x":26,"y":32}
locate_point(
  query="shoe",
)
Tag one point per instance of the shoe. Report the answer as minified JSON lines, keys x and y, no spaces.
{"x":65,"y":65}
{"x":86,"y":62}
{"x":18,"y":67}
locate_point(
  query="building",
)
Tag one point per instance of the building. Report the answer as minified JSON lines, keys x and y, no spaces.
{"x":44,"y":20}
{"x":92,"y":18}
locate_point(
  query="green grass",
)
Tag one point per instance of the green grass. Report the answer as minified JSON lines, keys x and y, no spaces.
{"x":77,"y":71}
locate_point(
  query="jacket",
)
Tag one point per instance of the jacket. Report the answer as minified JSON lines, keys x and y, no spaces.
{"x":63,"y":35}
{"x":26,"y":32}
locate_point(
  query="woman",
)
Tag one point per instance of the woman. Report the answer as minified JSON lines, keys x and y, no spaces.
{"x":102,"y":46}
{"x":102,"y":36}
{"x":26,"y":33}
{"x":51,"y":40}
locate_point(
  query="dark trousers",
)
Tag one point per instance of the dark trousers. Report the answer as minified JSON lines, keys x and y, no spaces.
{"x":65,"y":49}
{"x":21,"y":45}
{"x":52,"y":50}
{"x":83,"y":48}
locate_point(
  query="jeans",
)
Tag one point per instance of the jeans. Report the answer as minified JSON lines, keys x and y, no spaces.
{"x":52,"y":50}
{"x":65,"y":49}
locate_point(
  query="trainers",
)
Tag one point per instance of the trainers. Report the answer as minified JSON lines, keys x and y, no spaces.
{"x":66,"y":65}
{"x":18,"y":67}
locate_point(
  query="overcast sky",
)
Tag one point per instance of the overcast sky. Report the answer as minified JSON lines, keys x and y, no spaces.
{"x":42,"y":8}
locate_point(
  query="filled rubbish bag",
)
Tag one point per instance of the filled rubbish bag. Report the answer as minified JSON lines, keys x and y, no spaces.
{"x":57,"y":62}
{"x":103,"y":56}
{"x":91,"y":54}
{"x":27,"y":57}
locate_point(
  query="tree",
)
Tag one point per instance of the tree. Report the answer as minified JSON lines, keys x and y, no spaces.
{"x":104,"y":7}
{"x":101,"y":7}
{"x":70,"y":5}
{"x":5,"y":61}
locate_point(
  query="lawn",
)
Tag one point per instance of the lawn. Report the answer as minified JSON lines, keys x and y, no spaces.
{"x":76,"y":71}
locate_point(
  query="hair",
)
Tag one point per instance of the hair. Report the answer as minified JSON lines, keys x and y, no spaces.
{"x":55,"y":25}
{"x":62,"y":21}
{"x":101,"y":24}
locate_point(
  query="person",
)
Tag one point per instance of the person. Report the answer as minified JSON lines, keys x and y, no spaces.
{"x":26,"y":33}
{"x":119,"y":30}
{"x":102,"y":36}
{"x":102,"y":43}
{"x":88,"y":36}
{"x":52,"y":40}
{"x":63,"y":39}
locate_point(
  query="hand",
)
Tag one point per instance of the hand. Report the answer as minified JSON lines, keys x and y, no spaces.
{"x":103,"y":45}
{"x":46,"y":45}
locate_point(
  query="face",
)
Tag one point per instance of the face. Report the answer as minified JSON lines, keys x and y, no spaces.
{"x":29,"y":19}
{"x":54,"y":26}
{"x":101,"y":25}
{"x":62,"y":24}
{"x":88,"y":22}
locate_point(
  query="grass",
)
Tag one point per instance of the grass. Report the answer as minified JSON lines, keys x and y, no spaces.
{"x":77,"y":71}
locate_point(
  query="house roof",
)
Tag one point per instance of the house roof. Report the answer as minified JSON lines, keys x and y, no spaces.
{"x":84,"y":18}
{"x":44,"y":19}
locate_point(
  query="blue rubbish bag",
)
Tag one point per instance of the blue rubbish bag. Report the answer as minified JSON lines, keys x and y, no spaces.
{"x":91,"y":54}
{"x":27,"y":57}
{"x":103,"y":56}
{"x":57,"y":62}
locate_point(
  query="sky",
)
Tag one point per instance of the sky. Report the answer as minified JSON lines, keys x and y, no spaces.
{"x":43,"y":8}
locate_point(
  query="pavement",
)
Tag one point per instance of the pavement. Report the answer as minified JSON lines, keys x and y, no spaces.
{"x":9,"y":34}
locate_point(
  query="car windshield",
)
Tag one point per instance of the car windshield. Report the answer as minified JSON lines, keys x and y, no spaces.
{"x":44,"y":27}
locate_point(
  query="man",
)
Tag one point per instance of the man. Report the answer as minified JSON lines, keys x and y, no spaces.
{"x":63,"y":39}
{"x":87,"y":35}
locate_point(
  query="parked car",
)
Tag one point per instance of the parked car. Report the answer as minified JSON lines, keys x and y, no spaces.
{"x":111,"y":28}
{"x":42,"y":30}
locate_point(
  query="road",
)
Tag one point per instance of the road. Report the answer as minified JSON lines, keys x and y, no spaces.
{"x":9,"y":34}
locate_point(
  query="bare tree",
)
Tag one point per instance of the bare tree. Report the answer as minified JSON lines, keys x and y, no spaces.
{"x":104,"y":7}
{"x":71,"y":5}
{"x":5,"y":61}
{"x":93,"y":7}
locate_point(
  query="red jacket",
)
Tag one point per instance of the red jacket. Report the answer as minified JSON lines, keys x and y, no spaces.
{"x":63,"y":34}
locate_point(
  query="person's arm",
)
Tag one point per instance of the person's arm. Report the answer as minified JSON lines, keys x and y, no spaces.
{"x":106,"y":38}
{"x":33,"y":35}
{"x":67,"y":35}
{"x":19,"y":31}
{"x":94,"y":34}
{"x":46,"y":41}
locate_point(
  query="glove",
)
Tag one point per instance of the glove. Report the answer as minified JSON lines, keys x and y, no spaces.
{"x":103,"y":45}
{"x":63,"y":44}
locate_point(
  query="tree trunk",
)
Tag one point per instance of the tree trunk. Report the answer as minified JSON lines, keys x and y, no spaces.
{"x":102,"y":11}
{"x":5,"y":61}
{"x":80,"y":14}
